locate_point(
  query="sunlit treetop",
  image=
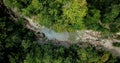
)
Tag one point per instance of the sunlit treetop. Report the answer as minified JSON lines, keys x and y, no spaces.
{"x":60,"y":15}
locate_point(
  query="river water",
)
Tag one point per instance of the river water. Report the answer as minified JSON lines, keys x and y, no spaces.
{"x":89,"y":36}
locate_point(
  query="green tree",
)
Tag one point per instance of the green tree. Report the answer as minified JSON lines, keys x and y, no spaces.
{"x":92,"y":19}
{"x":105,"y":16}
{"x":60,"y":15}
{"x":18,"y":44}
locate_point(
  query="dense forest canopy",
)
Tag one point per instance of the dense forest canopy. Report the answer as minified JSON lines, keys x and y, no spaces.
{"x":60,"y":15}
{"x":103,"y":15}
{"x":19,"y":45}
{"x":70,"y":15}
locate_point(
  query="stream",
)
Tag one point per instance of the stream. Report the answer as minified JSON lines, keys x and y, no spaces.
{"x":65,"y":38}
{"x":51,"y":34}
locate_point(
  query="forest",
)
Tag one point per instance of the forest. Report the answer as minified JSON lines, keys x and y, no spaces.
{"x":19,"y":44}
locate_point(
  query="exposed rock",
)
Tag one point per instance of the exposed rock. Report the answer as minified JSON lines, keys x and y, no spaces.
{"x":66,"y":39}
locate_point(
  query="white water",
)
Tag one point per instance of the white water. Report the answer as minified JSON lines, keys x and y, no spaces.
{"x":88,"y":36}
{"x":51,"y":34}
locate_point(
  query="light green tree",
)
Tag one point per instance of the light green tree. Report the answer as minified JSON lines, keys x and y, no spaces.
{"x":60,"y":15}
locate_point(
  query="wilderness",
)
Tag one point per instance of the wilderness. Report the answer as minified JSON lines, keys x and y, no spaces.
{"x":59,"y":31}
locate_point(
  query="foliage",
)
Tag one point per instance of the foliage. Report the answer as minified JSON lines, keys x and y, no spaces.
{"x":18,"y":3}
{"x":18,"y":45}
{"x":60,"y":15}
{"x":68,"y":15}
{"x":11,"y":36}
{"x":57,"y":54}
{"x":106,"y":16}
{"x":105,"y":58}
{"x":92,"y":19}
{"x":116,"y":44}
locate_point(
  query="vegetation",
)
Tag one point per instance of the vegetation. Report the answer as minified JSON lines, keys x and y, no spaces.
{"x":12,"y":35}
{"x":53,"y":54}
{"x":65,"y":15}
{"x":116,"y":44}
{"x":60,"y":15}
{"x":18,"y":44}
{"x":103,"y":15}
